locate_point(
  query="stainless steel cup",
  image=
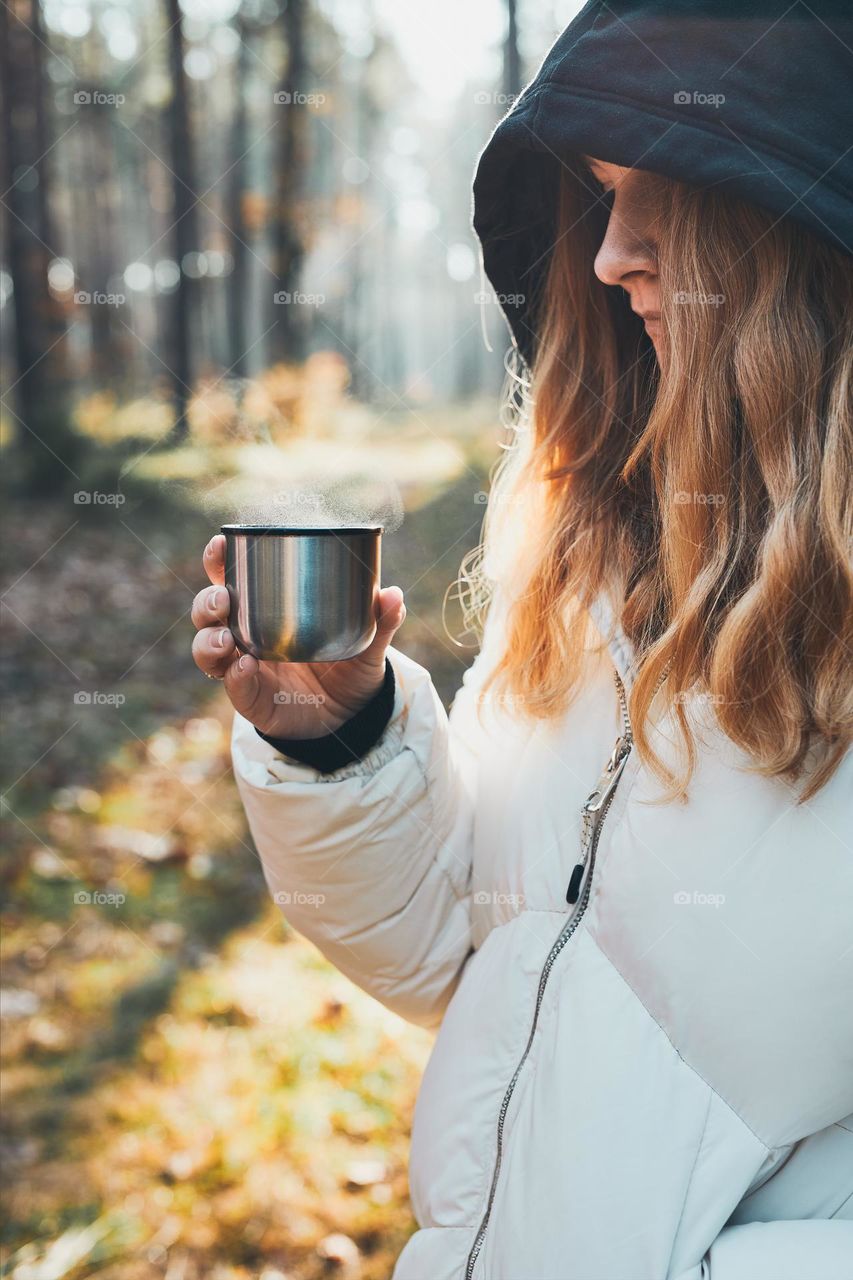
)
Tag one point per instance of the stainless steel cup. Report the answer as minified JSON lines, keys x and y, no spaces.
{"x":302,"y":595}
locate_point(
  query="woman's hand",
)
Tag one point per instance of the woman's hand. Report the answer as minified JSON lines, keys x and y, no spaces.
{"x":286,"y":699}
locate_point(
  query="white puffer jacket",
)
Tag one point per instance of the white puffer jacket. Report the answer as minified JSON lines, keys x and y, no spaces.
{"x":654,"y":1082}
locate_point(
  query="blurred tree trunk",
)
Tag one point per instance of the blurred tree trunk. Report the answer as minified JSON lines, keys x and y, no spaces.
{"x":238,"y":282}
{"x":185,"y":221}
{"x":40,"y":351}
{"x":287,"y":336}
{"x":100,"y":227}
{"x":512,"y":60}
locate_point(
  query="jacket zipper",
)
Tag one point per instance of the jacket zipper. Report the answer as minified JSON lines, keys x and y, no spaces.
{"x":593,"y":813}
{"x":598,"y":801}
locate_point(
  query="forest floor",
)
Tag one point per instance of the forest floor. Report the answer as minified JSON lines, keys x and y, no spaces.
{"x":190,"y":1090}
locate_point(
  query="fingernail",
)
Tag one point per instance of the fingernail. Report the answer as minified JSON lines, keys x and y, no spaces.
{"x":219,"y":638}
{"x":209,"y":548}
{"x":212,"y":600}
{"x":242,"y":663}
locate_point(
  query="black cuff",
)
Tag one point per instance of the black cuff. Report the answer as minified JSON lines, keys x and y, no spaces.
{"x":351,"y":741}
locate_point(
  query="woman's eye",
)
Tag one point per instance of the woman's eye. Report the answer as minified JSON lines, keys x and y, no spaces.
{"x":604,"y":195}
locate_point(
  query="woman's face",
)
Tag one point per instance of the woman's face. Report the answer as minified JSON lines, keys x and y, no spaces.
{"x":628,"y":253}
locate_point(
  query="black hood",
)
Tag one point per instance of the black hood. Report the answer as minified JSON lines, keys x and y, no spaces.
{"x":754,"y":96}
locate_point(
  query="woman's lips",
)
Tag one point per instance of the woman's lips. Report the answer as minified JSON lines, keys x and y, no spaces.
{"x":648,"y":317}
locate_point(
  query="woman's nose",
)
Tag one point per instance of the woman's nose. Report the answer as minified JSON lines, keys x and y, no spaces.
{"x":625,"y":250}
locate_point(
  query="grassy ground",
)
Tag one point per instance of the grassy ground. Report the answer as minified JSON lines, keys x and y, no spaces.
{"x":190,"y":1090}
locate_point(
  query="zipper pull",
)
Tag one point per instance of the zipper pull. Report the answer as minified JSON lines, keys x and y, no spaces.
{"x":593,"y":811}
{"x":574,"y":890}
{"x":590,"y":822}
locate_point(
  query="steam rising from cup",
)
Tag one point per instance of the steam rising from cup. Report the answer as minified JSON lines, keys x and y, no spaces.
{"x":311,"y":502}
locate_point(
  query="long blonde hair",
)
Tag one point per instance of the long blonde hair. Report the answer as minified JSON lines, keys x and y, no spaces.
{"x":715,"y":496}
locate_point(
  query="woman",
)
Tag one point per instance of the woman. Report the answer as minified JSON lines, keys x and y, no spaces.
{"x":619,"y":877}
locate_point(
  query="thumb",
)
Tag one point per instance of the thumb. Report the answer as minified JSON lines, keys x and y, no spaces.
{"x":390,"y":617}
{"x":246,"y":689}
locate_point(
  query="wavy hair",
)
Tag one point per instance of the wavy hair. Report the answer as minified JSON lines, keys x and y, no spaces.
{"x":712,"y":497}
